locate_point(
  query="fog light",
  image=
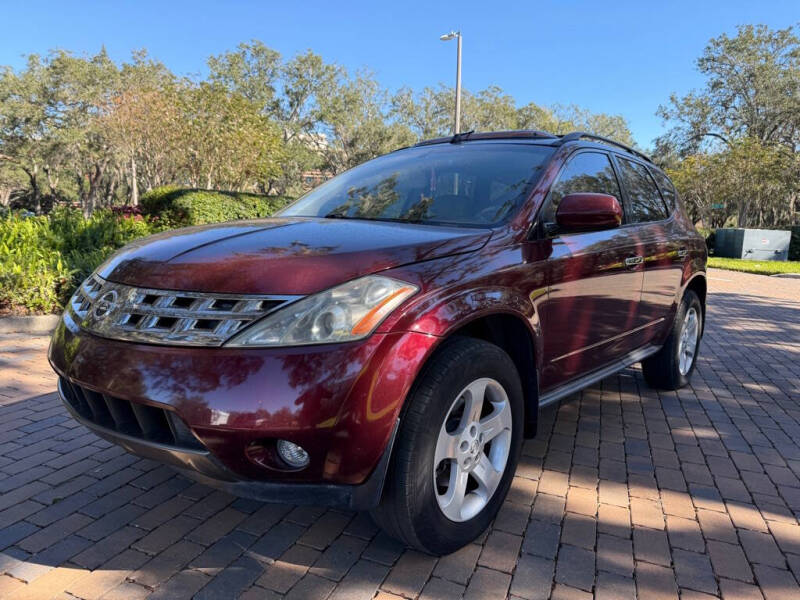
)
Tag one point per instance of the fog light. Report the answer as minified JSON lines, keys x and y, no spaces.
{"x":293,"y":454}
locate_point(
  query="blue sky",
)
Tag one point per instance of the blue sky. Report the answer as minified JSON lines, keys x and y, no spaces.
{"x":617,"y":57}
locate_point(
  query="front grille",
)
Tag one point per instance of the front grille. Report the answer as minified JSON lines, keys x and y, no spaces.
{"x":86,"y":294}
{"x":141,"y":421}
{"x":158,"y":316}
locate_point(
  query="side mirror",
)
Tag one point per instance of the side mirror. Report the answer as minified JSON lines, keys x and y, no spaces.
{"x":588,"y":212}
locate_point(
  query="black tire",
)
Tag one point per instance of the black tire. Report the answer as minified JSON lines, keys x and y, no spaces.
{"x":662,"y":369}
{"x":409,"y":510}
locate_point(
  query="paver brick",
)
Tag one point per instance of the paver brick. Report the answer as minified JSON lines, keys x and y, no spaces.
{"x":761,"y":548}
{"x":361,"y":582}
{"x":579,"y":530}
{"x":694,"y":571}
{"x":776,"y":584}
{"x":685,"y":533}
{"x":289,"y":569}
{"x":614,"y":555}
{"x":729,"y":561}
{"x":575,"y":567}
{"x":716,"y":526}
{"x":655,"y":582}
{"x":410,"y":573}
{"x":437,"y":589}
{"x":460,"y":565}
{"x":486,"y":584}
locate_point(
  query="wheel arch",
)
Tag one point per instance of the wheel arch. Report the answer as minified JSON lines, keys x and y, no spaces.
{"x":511,"y":332}
{"x":699,"y":285}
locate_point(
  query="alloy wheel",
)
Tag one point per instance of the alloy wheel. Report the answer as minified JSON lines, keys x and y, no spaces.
{"x":690,"y":334}
{"x":472,"y":449}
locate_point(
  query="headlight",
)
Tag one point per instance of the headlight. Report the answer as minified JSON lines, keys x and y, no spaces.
{"x":347,"y":312}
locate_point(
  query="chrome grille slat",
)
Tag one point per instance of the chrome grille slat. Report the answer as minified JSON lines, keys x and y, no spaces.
{"x":152,"y":315}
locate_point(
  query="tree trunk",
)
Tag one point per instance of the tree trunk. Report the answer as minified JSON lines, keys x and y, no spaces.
{"x":134,"y":184}
{"x":36,"y":196}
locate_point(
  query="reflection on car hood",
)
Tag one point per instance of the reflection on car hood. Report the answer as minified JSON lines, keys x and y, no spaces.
{"x":284,"y":255}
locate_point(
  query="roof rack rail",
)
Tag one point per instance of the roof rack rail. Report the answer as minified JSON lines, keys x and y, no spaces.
{"x":489,"y":135}
{"x":579,"y":135}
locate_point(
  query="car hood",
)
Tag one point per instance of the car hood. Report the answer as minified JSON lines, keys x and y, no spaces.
{"x":284,"y":255}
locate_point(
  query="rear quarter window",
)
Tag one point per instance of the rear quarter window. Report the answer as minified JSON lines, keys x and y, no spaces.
{"x":645,"y":200}
{"x":667,"y":189}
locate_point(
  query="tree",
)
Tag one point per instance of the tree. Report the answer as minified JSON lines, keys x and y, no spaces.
{"x":750,"y":90}
{"x":29,"y":117}
{"x":740,"y":131}
{"x":429,"y":114}
{"x":353,"y":115}
{"x":229,"y":142}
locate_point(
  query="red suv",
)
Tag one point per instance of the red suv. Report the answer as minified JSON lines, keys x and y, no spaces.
{"x":387,"y":341}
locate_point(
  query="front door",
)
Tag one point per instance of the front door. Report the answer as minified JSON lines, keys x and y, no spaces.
{"x":591,"y":313}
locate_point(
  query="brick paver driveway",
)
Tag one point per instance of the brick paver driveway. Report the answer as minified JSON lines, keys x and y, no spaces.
{"x":625,"y":491}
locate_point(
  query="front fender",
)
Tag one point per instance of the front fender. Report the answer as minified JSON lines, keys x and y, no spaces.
{"x":446,"y":313}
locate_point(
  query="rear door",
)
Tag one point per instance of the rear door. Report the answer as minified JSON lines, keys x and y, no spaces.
{"x":595,"y":281}
{"x":655,"y":233}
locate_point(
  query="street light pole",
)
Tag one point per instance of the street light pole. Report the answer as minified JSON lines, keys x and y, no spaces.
{"x":446,"y":37}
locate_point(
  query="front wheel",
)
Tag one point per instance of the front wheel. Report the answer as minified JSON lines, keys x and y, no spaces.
{"x":457,"y":448}
{"x":671,"y":367}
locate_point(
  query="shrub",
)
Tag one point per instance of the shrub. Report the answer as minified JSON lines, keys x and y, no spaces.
{"x":86,"y":243}
{"x":32,"y":271}
{"x":180,"y":207}
{"x":43,"y":259}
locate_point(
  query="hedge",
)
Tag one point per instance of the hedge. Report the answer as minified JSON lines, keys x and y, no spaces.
{"x":180,"y":207}
{"x":43,"y":259}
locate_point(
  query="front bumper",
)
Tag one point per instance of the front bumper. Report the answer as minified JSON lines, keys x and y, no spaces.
{"x":200,"y":465}
{"x":340,"y":402}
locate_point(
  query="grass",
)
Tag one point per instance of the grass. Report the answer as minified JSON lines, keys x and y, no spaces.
{"x":760,"y":267}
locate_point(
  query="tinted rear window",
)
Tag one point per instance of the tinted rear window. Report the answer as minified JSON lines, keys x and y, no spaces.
{"x":469,"y":184}
{"x":645,"y":201}
{"x":667,"y":189}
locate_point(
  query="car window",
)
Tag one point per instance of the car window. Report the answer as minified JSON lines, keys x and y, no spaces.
{"x":460,"y":184}
{"x":645,"y":201}
{"x":667,"y":189}
{"x":585,"y":172}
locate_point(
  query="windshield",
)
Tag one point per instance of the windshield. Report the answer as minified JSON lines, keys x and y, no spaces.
{"x":458,"y":184}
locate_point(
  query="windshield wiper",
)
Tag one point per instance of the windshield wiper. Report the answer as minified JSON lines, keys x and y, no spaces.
{"x":335,"y":215}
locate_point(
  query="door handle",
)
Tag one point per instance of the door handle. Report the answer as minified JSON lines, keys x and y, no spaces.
{"x":682,"y":252}
{"x":632,"y":261}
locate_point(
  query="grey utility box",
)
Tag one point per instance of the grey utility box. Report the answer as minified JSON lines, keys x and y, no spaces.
{"x":752,"y":244}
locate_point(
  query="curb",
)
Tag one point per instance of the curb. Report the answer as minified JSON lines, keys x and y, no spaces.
{"x":787,"y":275}
{"x":34,"y":324}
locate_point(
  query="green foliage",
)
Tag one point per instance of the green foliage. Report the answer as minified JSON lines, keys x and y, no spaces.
{"x":759,"y":267}
{"x":84,"y":243}
{"x":733,"y":143}
{"x":43,"y":259}
{"x":178,"y":207}
{"x":32,"y":270}
{"x":429,"y":114}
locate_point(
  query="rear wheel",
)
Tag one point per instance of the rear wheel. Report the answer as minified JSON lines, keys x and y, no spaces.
{"x":672,"y":366}
{"x":457,"y":448}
